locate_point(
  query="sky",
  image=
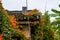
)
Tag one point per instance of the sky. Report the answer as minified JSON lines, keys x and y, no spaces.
{"x":41,"y":5}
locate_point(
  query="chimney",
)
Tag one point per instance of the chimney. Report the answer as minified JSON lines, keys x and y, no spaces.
{"x":24,"y":10}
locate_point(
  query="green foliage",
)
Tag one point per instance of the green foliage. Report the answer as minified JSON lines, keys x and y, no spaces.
{"x":59,"y":5}
{"x":47,"y":31}
{"x":55,"y":11}
{"x":57,"y":21}
{"x":9,"y":32}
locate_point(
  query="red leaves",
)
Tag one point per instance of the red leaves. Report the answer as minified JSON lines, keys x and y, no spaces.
{"x":0,"y":36}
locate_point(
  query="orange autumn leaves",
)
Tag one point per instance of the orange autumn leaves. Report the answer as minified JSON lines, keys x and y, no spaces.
{"x":13,"y":22}
{"x":0,"y":36}
{"x":12,"y":19}
{"x":31,"y":12}
{"x":23,"y":32}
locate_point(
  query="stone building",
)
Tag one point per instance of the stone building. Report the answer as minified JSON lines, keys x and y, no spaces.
{"x":25,"y":21}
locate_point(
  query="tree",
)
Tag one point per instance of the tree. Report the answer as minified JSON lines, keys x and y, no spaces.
{"x":8,"y":26}
{"x":57,"y":21}
{"x":48,"y":33}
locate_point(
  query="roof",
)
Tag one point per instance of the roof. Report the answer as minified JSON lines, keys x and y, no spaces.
{"x":16,"y":13}
{"x":20,"y":12}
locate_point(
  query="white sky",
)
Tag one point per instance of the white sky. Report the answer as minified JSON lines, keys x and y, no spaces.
{"x":32,"y":4}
